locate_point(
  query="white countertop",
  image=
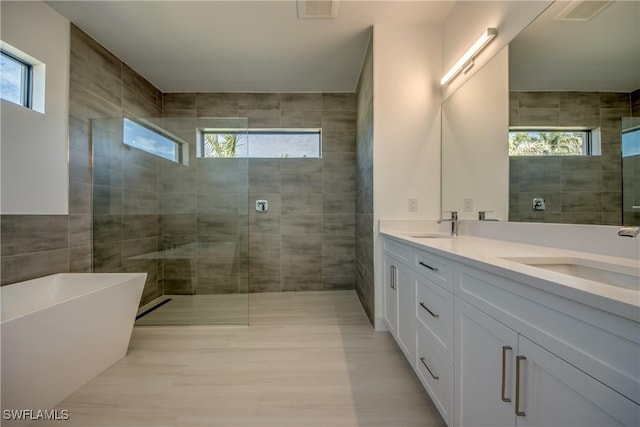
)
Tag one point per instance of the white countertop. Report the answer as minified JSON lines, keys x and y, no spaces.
{"x":487,"y":254}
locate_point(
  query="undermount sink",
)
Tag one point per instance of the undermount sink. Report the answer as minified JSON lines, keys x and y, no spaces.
{"x":621,"y":276}
{"x":429,"y":236}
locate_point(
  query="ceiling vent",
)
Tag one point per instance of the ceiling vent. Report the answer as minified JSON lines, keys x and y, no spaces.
{"x":318,"y":9}
{"x":581,"y":10}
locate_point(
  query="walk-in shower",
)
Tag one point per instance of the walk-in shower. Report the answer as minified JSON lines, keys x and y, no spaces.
{"x":161,"y":207}
{"x":631,"y":170}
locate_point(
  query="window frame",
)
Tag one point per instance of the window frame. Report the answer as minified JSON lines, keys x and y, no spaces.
{"x":181,"y":146}
{"x":261,"y":131}
{"x":590,"y":146}
{"x":26,"y":79}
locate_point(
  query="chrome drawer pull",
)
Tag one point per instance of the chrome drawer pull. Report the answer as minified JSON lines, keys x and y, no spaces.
{"x":428,"y":266}
{"x":430,"y":373}
{"x":519,"y":413}
{"x":429,"y":311}
{"x":504,"y":370}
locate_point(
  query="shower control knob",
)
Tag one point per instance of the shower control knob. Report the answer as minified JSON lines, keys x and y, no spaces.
{"x":261,"y":206}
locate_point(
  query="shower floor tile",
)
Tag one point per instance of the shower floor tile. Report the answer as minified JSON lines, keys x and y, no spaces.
{"x":226,"y":309}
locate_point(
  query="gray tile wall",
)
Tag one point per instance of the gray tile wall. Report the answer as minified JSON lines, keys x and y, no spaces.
{"x":364,"y":187}
{"x":577,"y":190}
{"x":306,"y":240}
{"x":631,"y":172}
{"x":36,"y":245}
{"x":126,"y":220}
{"x":635,"y":103}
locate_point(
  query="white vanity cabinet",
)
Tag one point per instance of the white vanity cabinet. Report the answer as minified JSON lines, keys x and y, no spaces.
{"x":492,"y":351}
{"x":398,"y":297}
{"x":504,"y":379}
{"x":390,"y":308}
{"x":418,"y":310}
{"x":485,"y":371}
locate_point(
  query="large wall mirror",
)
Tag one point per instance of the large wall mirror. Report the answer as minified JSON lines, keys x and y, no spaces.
{"x":568,"y":148}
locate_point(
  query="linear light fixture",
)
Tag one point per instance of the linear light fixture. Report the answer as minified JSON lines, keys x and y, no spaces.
{"x":466,"y":61}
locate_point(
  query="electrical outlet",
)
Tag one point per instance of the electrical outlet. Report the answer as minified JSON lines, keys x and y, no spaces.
{"x":413,"y":205}
{"x":468,"y":205}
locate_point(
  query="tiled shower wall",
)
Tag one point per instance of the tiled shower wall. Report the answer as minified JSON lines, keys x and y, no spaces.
{"x":577,"y":189}
{"x":631,"y":171}
{"x":306,"y":240}
{"x":36,"y":245}
{"x":364,"y":187}
{"x":635,"y":103}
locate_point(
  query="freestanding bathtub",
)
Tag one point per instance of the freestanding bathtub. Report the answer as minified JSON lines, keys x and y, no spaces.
{"x":59,"y":332}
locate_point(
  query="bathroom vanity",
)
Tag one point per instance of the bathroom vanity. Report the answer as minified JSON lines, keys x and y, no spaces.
{"x":504,"y":334}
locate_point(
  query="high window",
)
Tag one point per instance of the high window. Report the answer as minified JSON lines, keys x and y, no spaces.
{"x":146,"y":137}
{"x":553,"y":142}
{"x":16,"y":79}
{"x":261,"y":143}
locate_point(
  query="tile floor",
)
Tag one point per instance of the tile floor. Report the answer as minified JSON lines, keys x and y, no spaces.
{"x":309,"y":359}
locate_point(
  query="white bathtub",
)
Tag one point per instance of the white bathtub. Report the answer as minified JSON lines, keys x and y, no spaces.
{"x":59,"y":332}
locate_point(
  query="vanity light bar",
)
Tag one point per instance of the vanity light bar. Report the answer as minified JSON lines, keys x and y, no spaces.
{"x":467,"y":59}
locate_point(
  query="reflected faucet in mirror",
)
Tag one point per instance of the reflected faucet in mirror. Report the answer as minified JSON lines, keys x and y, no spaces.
{"x":482,"y":216}
{"x":559,"y":77}
{"x":454,"y":222}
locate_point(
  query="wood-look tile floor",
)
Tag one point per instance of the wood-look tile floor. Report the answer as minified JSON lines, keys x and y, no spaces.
{"x":309,"y":359}
{"x":221,"y":309}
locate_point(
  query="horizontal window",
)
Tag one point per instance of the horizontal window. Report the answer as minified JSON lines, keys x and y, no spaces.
{"x":553,"y":142}
{"x":261,"y":143}
{"x":144,"y":136}
{"x":16,"y":79}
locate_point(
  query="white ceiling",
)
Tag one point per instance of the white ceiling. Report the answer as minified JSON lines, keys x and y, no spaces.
{"x":242,"y":45}
{"x":599,"y":55}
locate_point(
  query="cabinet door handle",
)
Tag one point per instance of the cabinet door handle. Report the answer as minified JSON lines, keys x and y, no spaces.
{"x":393,"y":276}
{"x":519,"y":413}
{"x":504,"y":372}
{"x":429,"y":311}
{"x":426,"y":366}
{"x":428,"y":266}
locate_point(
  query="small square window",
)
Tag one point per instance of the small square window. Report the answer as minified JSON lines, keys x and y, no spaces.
{"x":16,"y":79}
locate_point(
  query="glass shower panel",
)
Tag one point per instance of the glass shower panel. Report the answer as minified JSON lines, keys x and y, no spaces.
{"x":631,"y":170}
{"x":159,"y":208}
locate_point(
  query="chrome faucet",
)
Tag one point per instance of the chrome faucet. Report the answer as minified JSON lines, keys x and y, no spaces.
{"x":482,"y":216}
{"x":454,"y":222}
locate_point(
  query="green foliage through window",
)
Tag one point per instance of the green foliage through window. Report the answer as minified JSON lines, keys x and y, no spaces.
{"x":261,"y":143}
{"x":549,"y":143}
{"x":221,"y":144}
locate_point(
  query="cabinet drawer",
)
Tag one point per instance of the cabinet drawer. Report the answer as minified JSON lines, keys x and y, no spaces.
{"x":434,"y":312}
{"x":603,"y":345}
{"x":435,"y":268}
{"x":436,"y":374}
{"x":400,"y":251}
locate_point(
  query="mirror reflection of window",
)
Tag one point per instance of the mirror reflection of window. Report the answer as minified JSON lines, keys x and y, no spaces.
{"x":553,"y":142}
